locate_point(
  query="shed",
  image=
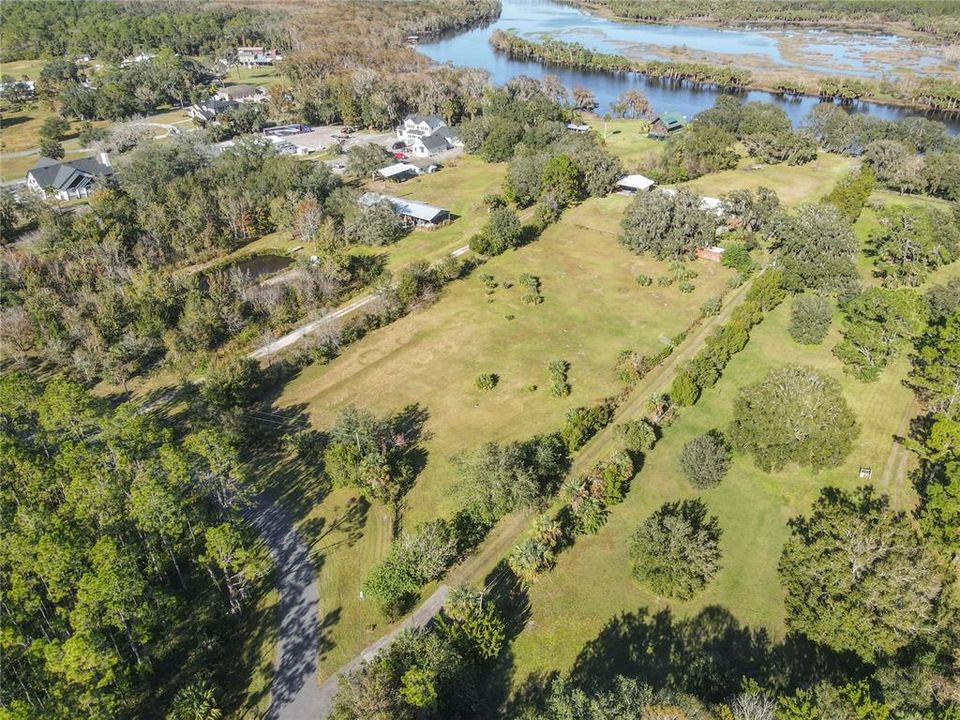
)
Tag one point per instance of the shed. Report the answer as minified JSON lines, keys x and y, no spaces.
{"x":665,"y":124}
{"x":413,"y":212}
{"x":573,"y":127}
{"x":633,"y":184}
{"x":713,"y":253}
{"x":398,"y":172}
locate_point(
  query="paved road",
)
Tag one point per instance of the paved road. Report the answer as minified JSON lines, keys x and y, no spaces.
{"x":417,"y":619}
{"x":295,"y":695}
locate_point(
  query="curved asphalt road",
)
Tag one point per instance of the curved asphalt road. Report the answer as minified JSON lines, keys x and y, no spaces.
{"x":295,"y":695}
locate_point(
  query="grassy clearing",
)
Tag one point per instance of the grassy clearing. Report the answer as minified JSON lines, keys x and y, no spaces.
{"x":432,"y":358}
{"x":19,"y":69}
{"x":628,"y":140}
{"x":459,"y":187}
{"x":265,"y":76}
{"x":591,"y":584}
{"x":794,"y":185}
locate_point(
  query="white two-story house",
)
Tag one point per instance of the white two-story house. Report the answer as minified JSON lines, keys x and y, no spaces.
{"x":427,"y":135}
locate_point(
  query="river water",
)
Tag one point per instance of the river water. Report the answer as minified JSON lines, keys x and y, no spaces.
{"x":831,"y":51}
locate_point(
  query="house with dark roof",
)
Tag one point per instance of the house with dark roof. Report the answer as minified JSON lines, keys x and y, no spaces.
{"x":666,"y":124}
{"x":209,"y":109}
{"x":427,"y":135}
{"x":68,"y":180}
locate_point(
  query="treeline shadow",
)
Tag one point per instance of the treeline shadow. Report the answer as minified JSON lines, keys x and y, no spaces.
{"x":707,"y":655}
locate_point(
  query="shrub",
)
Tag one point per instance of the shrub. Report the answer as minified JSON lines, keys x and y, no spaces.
{"x":738,"y":258}
{"x":643,"y":280}
{"x":486,"y":381}
{"x":559,"y":387}
{"x":711,"y":307}
{"x":705,"y":460}
{"x":810,"y":319}
{"x":531,"y":289}
{"x":583,"y":423}
{"x":665,"y":281}
{"x":686,"y":287}
{"x":767,"y":290}
{"x":683,"y":390}
{"x":637,"y":435}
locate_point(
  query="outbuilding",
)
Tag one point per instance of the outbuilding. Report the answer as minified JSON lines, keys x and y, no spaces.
{"x":712,"y":253}
{"x":413,"y":212}
{"x":632,"y":184}
{"x":398,"y":172}
{"x":666,"y":124}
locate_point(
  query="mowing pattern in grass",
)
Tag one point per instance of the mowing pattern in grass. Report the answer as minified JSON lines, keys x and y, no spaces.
{"x":592,"y":582}
{"x":433,"y":357}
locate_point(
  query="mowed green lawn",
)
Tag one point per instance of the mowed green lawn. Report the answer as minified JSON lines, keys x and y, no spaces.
{"x":592,"y":310}
{"x":793,"y":184}
{"x":591,"y":583}
{"x":458,"y":187}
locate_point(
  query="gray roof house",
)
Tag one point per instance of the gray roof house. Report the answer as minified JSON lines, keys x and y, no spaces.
{"x":68,"y":180}
{"x":413,"y":212}
{"x":209,"y":109}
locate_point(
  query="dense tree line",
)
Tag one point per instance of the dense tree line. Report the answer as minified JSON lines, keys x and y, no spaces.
{"x":103,"y":299}
{"x":115,"y":532}
{"x":910,"y":155}
{"x":111,"y":31}
{"x":119,"y":91}
{"x":941,"y":94}
{"x":572,"y":54}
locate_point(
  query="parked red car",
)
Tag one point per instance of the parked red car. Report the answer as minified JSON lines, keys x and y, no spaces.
{"x":399,"y":156}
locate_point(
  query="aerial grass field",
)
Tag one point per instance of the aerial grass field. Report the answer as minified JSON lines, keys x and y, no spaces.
{"x":591,"y":584}
{"x":431,"y":359}
{"x":793,"y":184}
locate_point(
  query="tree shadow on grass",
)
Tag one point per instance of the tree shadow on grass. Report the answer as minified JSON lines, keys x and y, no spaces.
{"x":707,"y":655}
{"x":503,"y":588}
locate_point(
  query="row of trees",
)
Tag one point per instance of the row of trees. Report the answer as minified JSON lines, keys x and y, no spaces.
{"x":927,"y":93}
{"x":115,"y":531}
{"x":572,"y":54}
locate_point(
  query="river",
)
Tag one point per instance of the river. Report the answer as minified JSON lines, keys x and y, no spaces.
{"x":841,"y":52}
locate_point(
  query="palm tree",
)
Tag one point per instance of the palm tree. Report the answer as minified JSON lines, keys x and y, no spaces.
{"x":196,"y":701}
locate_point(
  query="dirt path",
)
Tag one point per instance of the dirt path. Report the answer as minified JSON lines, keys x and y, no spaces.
{"x":417,"y":619}
{"x":898,"y":461}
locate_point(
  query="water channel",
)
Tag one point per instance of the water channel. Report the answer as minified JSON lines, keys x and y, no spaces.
{"x":832,"y":51}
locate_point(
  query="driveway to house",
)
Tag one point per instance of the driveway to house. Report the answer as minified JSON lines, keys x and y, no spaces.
{"x":294,"y":691}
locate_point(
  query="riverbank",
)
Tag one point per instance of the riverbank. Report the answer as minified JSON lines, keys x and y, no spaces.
{"x":923,"y":94}
{"x":933,"y":30}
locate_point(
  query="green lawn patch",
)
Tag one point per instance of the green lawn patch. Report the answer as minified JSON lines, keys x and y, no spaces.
{"x":592,"y":584}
